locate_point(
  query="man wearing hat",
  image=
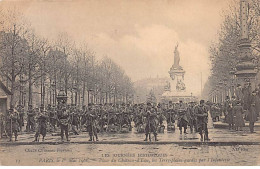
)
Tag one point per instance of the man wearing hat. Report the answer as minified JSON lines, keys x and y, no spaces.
{"x":42,"y":125}
{"x":151,"y":124}
{"x":52,"y":117}
{"x":252,"y":117}
{"x":182,"y":116}
{"x":30,"y":119}
{"x":20,"y":110}
{"x":228,"y":111}
{"x":12,"y":123}
{"x":202,"y":120}
{"x":63,"y":120}
{"x":92,"y":123}
{"x":238,"y":114}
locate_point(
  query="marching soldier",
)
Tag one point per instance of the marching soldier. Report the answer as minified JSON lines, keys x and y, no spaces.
{"x":202,"y":120}
{"x":170,"y":116}
{"x":151,"y":125}
{"x":92,"y":123}
{"x":52,"y":117}
{"x":30,"y":119}
{"x":63,"y":120}
{"x":20,"y":110}
{"x":74,"y":120}
{"x":12,"y":123}
{"x":41,"y":125}
{"x":192,"y":117}
{"x":182,"y":117}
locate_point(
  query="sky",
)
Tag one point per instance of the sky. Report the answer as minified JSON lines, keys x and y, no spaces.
{"x":139,"y":35}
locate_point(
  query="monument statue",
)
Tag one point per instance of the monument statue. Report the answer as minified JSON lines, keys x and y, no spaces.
{"x":176,"y":64}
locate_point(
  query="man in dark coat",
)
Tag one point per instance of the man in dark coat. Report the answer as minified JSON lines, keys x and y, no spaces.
{"x":12,"y":123}
{"x":20,"y":110}
{"x":53,"y":117}
{"x":92,"y":123}
{"x":151,"y":122}
{"x":30,"y":119}
{"x":182,"y":116}
{"x":42,"y":125}
{"x":63,"y":120}
{"x":202,"y":120}
{"x":229,"y":115}
{"x":252,"y":117}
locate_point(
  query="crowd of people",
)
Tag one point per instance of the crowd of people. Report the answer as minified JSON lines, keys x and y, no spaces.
{"x":148,"y":118}
{"x":241,"y":107}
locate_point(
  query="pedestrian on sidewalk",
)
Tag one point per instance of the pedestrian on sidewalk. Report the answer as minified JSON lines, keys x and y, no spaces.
{"x":238,"y":116}
{"x":252,"y":117}
{"x":229,"y":114}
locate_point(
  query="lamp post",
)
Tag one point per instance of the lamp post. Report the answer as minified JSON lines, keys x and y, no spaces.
{"x":246,"y":69}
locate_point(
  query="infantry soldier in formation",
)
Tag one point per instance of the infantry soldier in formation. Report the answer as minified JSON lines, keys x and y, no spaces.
{"x":30,"y":119}
{"x":63,"y":120}
{"x":192,"y":118}
{"x":20,"y":110}
{"x":91,"y":123}
{"x":170,"y":116}
{"x":202,"y":120}
{"x":12,"y":123}
{"x":151,"y":122}
{"x":41,"y":128}
{"x":182,"y":116}
{"x":74,"y":118}
{"x":52,"y":117}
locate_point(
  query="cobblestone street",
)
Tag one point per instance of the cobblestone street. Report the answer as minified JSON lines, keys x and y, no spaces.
{"x":77,"y":153}
{"x":103,"y":154}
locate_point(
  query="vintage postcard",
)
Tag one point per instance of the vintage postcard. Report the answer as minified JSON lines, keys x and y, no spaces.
{"x":129,"y":82}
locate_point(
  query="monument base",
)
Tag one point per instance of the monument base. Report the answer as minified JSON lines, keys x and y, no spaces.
{"x":176,"y":96}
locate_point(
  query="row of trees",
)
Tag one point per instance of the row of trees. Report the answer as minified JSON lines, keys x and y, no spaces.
{"x":224,"y":52}
{"x":35,"y":70}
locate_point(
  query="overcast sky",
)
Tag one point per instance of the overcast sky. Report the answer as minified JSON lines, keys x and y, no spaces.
{"x":139,"y":35}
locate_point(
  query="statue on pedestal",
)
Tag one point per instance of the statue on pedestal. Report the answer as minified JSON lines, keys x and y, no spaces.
{"x":176,"y":64}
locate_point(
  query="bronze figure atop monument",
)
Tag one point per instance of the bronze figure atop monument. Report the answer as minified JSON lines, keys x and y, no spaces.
{"x":176,"y":64}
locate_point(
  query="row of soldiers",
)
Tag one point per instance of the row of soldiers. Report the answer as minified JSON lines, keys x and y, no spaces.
{"x":107,"y":118}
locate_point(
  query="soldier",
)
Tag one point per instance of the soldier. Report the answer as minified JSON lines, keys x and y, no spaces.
{"x":42,"y":125}
{"x":202,"y":120}
{"x":63,"y":120}
{"x":192,"y":117}
{"x":92,"y":123}
{"x":30,"y":119}
{"x":161,"y":118}
{"x":182,"y":117}
{"x":151,"y":125}
{"x":125,"y":118}
{"x":74,"y":120}
{"x":12,"y":123}
{"x":20,"y":110}
{"x":170,"y":116}
{"x":52,"y":117}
